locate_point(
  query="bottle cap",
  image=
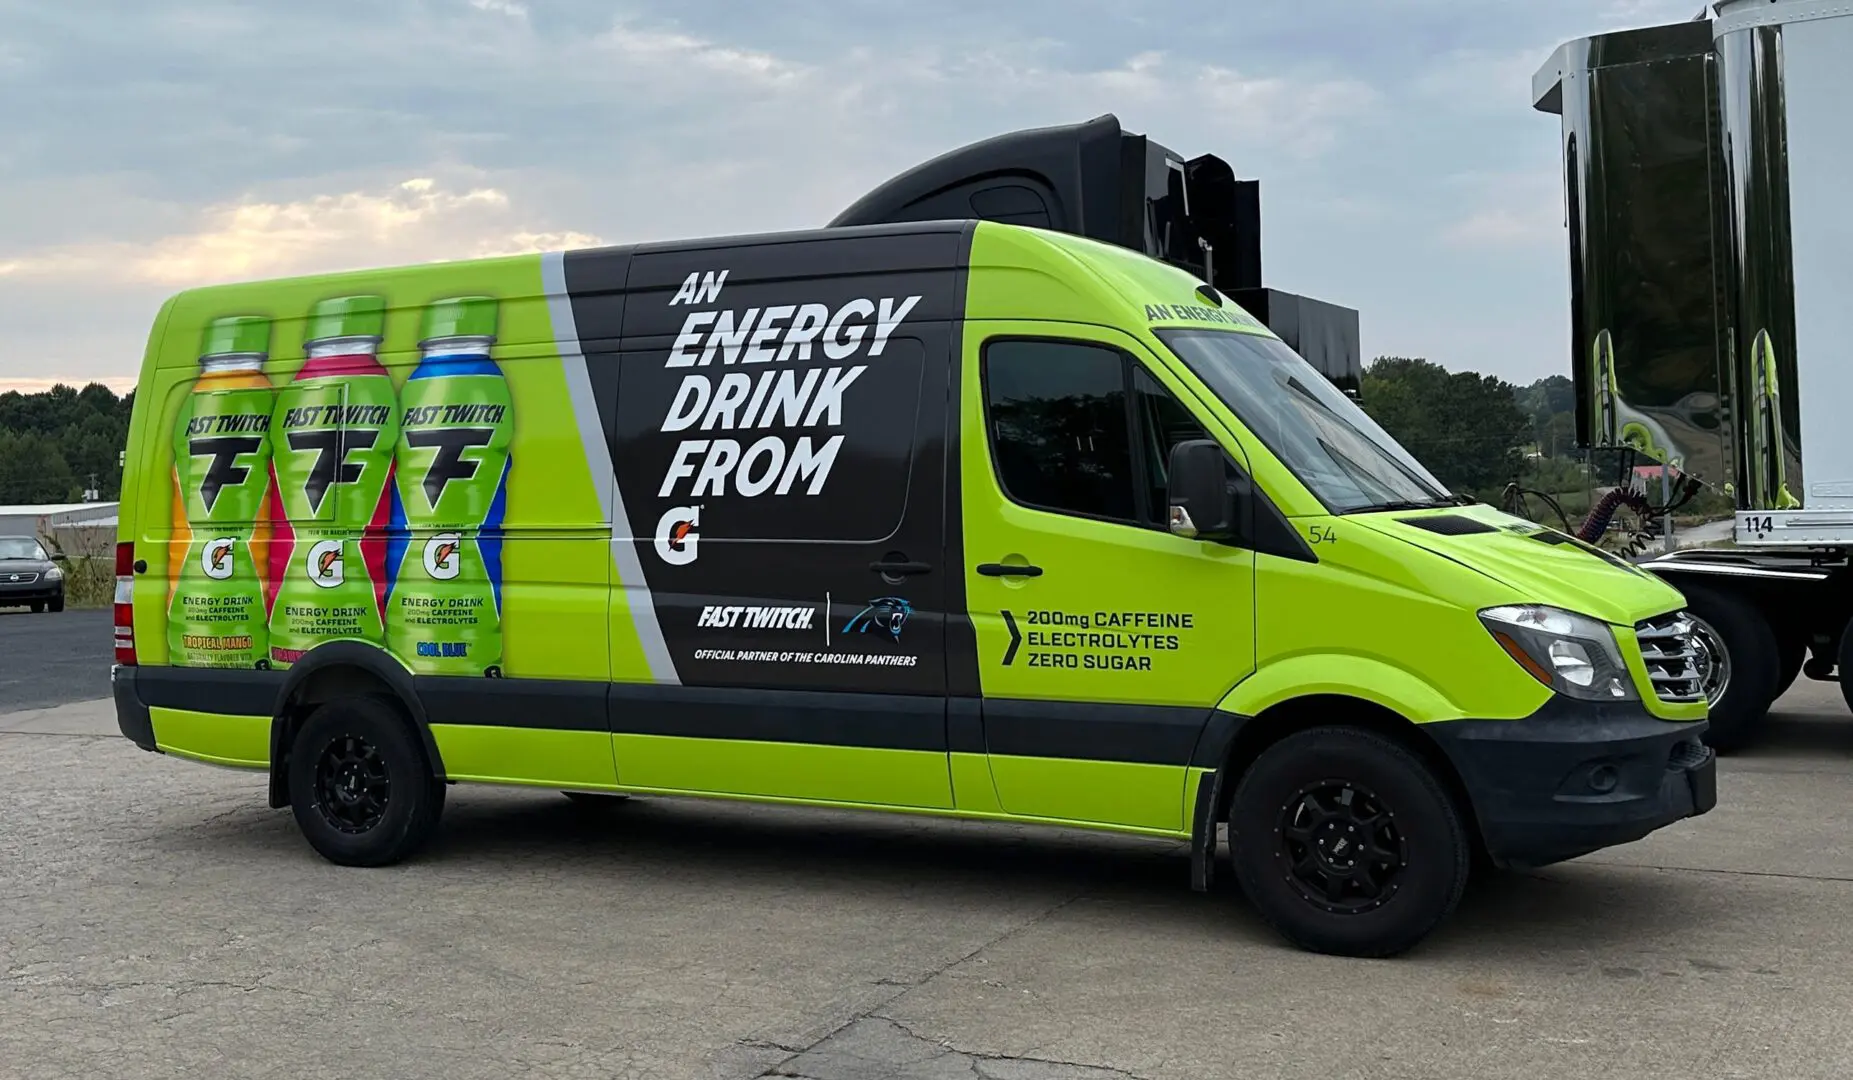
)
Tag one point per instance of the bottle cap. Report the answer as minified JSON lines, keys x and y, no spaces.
{"x":348,"y":316}
{"x":460,"y":316}
{"x":236,"y":334}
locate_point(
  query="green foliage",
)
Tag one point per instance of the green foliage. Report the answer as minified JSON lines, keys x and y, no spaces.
{"x":54,"y":443}
{"x":1466,"y":427}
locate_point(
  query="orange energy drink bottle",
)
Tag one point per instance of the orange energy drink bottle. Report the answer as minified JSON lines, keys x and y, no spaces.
{"x":215,"y":615}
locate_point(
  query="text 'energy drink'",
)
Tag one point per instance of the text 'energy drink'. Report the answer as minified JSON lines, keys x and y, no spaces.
{"x":332,"y":439}
{"x":443,"y":615}
{"x":222,"y":478}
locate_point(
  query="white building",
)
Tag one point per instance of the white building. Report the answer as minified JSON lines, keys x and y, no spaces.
{"x":75,"y":528}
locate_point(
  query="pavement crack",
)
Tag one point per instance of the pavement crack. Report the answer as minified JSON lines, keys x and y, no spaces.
{"x":900,"y":988}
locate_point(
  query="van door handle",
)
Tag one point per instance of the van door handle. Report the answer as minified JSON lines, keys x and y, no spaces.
{"x":900,"y":566}
{"x":997,"y":569}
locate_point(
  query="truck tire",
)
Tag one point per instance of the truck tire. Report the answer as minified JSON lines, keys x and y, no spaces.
{"x":1347,"y":843}
{"x":1844,"y":659}
{"x":360,"y":787}
{"x":1751,"y":658}
{"x":1793,"y":650}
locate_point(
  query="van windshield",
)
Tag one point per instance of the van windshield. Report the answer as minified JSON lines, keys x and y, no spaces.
{"x":1348,"y":462}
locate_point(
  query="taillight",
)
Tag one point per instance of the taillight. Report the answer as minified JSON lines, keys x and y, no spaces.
{"x":125,"y":604}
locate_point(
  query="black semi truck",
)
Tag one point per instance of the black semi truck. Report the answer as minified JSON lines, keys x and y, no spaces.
{"x":1706,"y":171}
{"x":1098,"y":180}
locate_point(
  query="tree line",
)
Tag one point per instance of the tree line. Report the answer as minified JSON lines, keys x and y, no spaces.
{"x":60,"y":444}
{"x":1476,"y":432}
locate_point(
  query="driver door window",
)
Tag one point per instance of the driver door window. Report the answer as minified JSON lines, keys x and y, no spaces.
{"x":1084,"y":430}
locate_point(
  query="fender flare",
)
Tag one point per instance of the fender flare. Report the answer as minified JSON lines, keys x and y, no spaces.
{"x":1330,"y":675}
{"x":1351,"y":675}
{"x":356,"y":655}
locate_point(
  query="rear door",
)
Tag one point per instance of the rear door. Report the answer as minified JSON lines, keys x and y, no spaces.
{"x":778,"y":439}
{"x":1103,"y":641}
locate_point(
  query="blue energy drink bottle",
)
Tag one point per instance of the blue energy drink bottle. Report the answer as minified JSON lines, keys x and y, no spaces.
{"x":456,"y":421}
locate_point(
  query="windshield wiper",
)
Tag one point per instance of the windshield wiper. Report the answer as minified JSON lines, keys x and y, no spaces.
{"x":1411,"y":504}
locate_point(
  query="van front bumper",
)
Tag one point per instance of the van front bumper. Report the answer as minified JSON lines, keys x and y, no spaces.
{"x":1576,"y":777}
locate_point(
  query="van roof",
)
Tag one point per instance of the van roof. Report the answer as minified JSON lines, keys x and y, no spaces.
{"x":1082,"y":247}
{"x":1130,"y":276}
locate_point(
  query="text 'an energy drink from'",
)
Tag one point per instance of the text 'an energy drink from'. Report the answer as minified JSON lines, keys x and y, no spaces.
{"x":222,"y":480}
{"x":332,"y":440}
{"x":443,"y":615}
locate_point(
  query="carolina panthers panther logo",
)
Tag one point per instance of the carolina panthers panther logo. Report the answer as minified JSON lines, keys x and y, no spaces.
{"x":884,"y":617}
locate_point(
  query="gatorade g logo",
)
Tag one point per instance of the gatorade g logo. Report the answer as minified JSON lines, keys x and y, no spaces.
{"x":331,"y":464}
{"x":677,"y":534}
{"x":215,"y":559}
{"x":224,"y":470}
{"x":324,"y":563}
{"x":448,"y":462}
{"x":441,"y":559}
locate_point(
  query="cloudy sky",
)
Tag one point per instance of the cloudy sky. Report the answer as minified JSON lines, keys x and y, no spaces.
{"x":149,"y":147}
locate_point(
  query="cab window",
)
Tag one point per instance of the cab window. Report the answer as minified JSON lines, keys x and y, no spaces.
{"x":1081,"y":429}
{"x":1162,"y":423}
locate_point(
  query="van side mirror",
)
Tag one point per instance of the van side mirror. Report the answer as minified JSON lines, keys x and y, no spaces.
{"x":1202,"y":502}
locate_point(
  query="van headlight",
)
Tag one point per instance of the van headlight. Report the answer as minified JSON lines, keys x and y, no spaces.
{"x":1572,"y":654}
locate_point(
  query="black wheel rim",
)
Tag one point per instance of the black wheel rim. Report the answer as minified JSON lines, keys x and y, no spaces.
{"x":1340,"y":847}
{"x":352,"y":784}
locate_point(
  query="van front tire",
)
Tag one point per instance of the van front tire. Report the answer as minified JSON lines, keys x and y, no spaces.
{"x":1347,"y":843}
{"x":360,"y":787}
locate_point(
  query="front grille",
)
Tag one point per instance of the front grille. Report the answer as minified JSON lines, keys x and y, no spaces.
{"x":1674,"y":662}
{"x":21,"y":577}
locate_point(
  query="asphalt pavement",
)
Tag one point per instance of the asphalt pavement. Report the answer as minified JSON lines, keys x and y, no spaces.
{"x":157,"y":920}
{"x":54,"y":657}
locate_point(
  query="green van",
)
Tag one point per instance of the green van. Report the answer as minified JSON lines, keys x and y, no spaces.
{"x":951,"y":518}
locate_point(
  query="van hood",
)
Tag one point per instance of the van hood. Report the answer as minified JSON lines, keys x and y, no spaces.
{"x":1546,"y":565}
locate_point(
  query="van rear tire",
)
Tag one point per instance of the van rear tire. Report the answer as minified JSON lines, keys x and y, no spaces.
{"x":361,"y":789}
{"x":1347,"y":843}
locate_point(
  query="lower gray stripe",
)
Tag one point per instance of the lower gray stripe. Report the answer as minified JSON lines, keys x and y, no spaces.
{"x":598,"y":459}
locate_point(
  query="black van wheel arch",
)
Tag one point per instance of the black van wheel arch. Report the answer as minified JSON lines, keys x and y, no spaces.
{"x":1348,"y":843}
{"x":361,"y":790}
{"x":1247,"y":738}
{"x":357,"y":671}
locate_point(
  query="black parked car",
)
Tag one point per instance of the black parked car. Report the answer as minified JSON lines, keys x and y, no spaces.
{"x":28,"y":576}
